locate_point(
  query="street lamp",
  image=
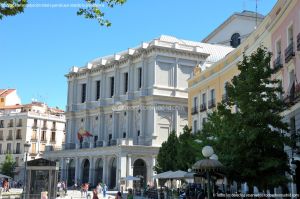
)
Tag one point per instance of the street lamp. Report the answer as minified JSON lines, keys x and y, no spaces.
{"x":26,"y":149}
{"x":207,"y":152}
{"x":67,"y":162}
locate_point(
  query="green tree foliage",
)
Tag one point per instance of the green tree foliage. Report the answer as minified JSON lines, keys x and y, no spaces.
{"x":8,"y":166}
{"x":93,"y":11}
{"x":245,"y":131}
{"x":177,"y":153}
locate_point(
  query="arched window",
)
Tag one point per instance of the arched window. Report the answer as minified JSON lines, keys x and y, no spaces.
{"x":235,"y":40}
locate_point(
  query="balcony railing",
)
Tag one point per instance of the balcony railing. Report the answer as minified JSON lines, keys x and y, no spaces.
{"x":293,"y":95}
{"x":34,"y":126}
{"x":289,"y":52}
{"x":19,"y":137}
{"x":277,"y":64}
{"x":212,"y":103}
{"x":194,"y":110}
{"x":203,"y":107}
{"x":298,"y":42}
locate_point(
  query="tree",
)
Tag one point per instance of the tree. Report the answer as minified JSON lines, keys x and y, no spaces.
{"x":177,"y":153}
{"x":94,"y":11}
{"x":166,"y":158}
{"x":245,"y":131}
{"x":8,"y":166}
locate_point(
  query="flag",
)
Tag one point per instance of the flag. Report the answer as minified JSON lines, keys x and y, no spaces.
{"x":83,"y":133}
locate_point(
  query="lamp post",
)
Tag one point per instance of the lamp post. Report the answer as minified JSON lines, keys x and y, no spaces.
{"x":207,"y":152}
{"x":67,"y":168}
{"x":26,"y":149}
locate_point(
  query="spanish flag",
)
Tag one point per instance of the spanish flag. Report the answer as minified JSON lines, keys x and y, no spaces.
{"x":83,"y":133}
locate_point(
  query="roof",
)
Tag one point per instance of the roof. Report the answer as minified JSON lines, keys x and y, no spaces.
{"x":5,"y":92}
{"x":245,"y":13}
{"x":212,"y":52}
{"x":12,"y":107}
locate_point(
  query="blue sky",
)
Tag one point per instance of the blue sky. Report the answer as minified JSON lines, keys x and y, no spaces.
{"x":38,"y":47}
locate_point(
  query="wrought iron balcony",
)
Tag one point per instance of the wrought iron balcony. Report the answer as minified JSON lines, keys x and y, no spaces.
{"x":212,"y":103}
{"x":277,"y":64}
{"x":203,"y":107}
{"x":19,"y":137}
{"x":289,"y":52}
{"x":293,"y":95}
{"x":298,"y":42}
{"x":194,"y":110}
{"x":9,"y":138}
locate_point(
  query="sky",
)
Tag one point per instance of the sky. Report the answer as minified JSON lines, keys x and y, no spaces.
{"x":39,"y":46}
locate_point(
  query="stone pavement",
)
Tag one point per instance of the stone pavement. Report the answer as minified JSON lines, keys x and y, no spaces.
{"x":75,"y":194}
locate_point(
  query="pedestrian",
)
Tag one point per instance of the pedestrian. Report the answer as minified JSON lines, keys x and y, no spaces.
{"x":99,"y":188}
{"x":118,"y":195}
{"x":95,"y":194}
{"x":130,"y":195}
{"x":104,"y":189}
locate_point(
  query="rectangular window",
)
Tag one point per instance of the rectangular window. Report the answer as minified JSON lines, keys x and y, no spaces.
{"x":97,"y":90}
{"x":0,"y":148}
{"x":35,"y":122}
{"x":204,"y":98}
{"x":125,"y":83}
{"x":53,"y":136}
{"x":212,"y":94}
{"x":20,"y":123}
{"x":195,"y":126}
{"x":11,"y":123}
{"x":19,"y":136}
{"x":83,"y":93}
{"x":18,"y":148}
{"x":1,"y":123}
{"x":33,"y":135}
{"x":43,"y":136}
{"x":195,"y":101}
{"x":139,"y":77}
{"x":10,"y":137}
{"x":1,"y":135}
{"x":112,"y":86}
{"x":33,"y":148}
{"x":8,"y":148}
{"x":290,"y":35}
{"x":278,"y":49}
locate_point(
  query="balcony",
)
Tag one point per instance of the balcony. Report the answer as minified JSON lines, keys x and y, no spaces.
{"x":298,"y":42}
{"x":10,"y":125}
{"x":44,"y":127}
{"x":53,"y":128}
{"x":293,"y":95}
{"x":289,"y":52}
{"x":212,"y":103}
{"x":19,"y":137}
{"x":34,"y":126}
{"x":203,"y":107}
{"x":194,"y":110}
{"x":277,"y":64}
{"x":19,"y":125}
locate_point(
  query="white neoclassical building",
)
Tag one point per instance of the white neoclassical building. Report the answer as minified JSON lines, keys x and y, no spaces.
{"x":129,"y":102}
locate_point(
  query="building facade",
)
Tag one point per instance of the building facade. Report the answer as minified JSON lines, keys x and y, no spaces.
{"x":279,"y":33}
{"x":35,"y":123}
{"x":234,"y":30}
{"x":129,"y":102}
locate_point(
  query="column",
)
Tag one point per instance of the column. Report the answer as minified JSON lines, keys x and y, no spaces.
{"x":175,"y":73}
{"x":63,"y":170}
{"x":176,"y":124}
{"x":129,"y":184}
{"x":142,"y":126}
{"x":91,"y":171}
{"x":89,"y":89}
{"x":153,"y":163}
{"x":129,"y":127}
{"x":77,"y":170}
{"x":101,"y":135}
{"x":115,"y":122}
{"x":105,"y":170}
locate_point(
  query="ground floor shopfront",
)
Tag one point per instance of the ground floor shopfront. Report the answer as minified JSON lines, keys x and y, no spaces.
{"x":109,"y":165}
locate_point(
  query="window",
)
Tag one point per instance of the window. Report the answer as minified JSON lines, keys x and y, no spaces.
{"x":278,"y":49}
{"x":20,"y":123}
{"x":112,"y":86}
{"x":235,"y":40}
{"x":2,"y":99}
{"x":8,"y":148}
{"x":43,"y":136}
{"x":18,"y":148}
{"x":212,"y":94}
{"x":83,"y":93}
{"x":33,"y":148}
{"x":9,"y":135}
{"x":139,"y":77}
{"x":124,"y":135}
{"x":97,"y":90}
{"x":0,"y":148}
{"x":138,"y":133}
{"x":290,"y":35}
{"x":33,"y":135}
{"x":204,"y":120}
{"x":195,"y":126}
{"x":125,"y":83}
{"x":1,"y":123}
{"x":52,"y":136}
{"x":53,"y":125}
{"x":195,"y":101}
{"x":204,"y":98}
{"x":35,"y":122}
{"x":19,"y":136}
{"x":11,"y":123}
{"x":17,"y":161}
{"x":1,"y":135}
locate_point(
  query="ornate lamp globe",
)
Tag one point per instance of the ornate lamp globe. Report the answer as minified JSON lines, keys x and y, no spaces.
{"x":214,"y":157}
{"x":207,"y":151}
